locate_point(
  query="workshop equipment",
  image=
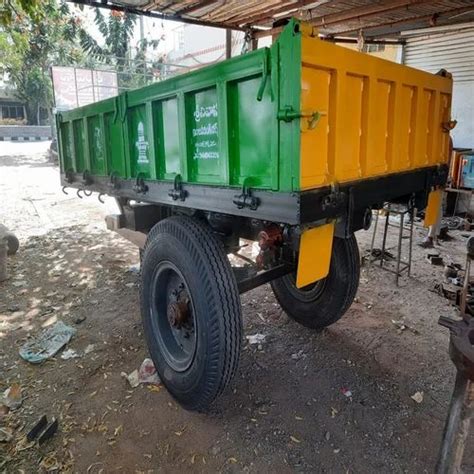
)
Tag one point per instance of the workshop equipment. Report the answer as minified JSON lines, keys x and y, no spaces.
{"x":467,"y":170}
{"x":397,"y":213}
{"x":461,"y":409}
{"x":290,"y":146}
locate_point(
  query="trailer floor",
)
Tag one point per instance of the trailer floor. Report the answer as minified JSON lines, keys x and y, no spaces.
{"x":288,"y":409}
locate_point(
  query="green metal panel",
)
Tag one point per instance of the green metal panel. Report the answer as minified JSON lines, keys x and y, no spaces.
{"x":67,"y":147}
{"x":250,"y":136}
{"x":139,"y":144}
{"x":96,"y":145}
{"x":114,"y":145}
{"x":215,"y":126}
{"x":167,"y":137}
{"x":79,"y":153}
{"x":202,"y":126}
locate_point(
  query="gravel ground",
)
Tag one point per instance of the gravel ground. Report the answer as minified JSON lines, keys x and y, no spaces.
{"x":288,"y":409}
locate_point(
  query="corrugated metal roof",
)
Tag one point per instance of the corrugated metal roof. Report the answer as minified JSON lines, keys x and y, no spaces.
{"x":382,"y":18}
{"x":452,"y":50}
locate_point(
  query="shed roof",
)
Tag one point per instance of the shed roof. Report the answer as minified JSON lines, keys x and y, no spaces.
{"x":381,"y":18}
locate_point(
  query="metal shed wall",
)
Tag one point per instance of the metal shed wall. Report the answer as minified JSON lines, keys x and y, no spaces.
{"x":451,"y":48}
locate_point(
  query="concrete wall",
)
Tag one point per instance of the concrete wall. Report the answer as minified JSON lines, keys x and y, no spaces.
{"x":25,"y":132}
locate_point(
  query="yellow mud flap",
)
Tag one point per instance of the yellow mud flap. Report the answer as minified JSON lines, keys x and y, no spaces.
{"x":314,"y":254}
{"x":433,"y":207}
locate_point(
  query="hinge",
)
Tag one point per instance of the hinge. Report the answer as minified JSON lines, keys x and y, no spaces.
{"x":335,"y":201}
{"x":140,"y":187}
{"x":86,"y":178}
{"x":178,"y":192}
{"x":114,"y":180}
{"x":288,"y":113}
{"x":245,"y":198}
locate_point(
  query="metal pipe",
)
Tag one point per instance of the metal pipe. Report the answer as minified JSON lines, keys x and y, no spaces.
{"x":384,"y":241}
{"x":457,"y":426}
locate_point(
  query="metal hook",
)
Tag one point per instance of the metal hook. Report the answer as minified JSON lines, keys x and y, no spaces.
{"x":64,"y":190}
{"x":78,"y":193}
{"x":87,"y":192}
{"x":99,"y":197}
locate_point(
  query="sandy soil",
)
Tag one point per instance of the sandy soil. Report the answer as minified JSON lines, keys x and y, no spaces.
{"x":286,"y":410}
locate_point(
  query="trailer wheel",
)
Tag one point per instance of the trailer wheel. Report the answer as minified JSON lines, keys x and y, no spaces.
{"x":323,"y":303}
{"x":191,"y":310}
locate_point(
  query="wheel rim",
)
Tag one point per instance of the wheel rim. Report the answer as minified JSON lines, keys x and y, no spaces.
{"x":173,"y":316}
{"x":307,"y":293}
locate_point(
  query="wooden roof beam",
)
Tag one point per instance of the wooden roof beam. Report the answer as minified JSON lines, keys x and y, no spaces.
{"x":266,"y":14}
{"x":192,"y":8}
{"x":363,"y":12}
{"x":414,"y":19}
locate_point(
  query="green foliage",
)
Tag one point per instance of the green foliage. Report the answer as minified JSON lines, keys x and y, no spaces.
{"x":117,"y":31}
{"x":35,"y":35}
{"x":12,"y":8}
{"x":31,"y":41}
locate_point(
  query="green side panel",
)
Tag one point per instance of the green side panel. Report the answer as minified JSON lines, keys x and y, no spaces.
{"x":67,"y":148}
{"x":167,"y":136}
{"x":96,"y":145}
{"x":139,"y":142}
{"x":114,"y":145}
{"x":79,"y":158}
{"x":202,"y":130}
{"x":250,"y":135}
{"x":206,"y":125}
{"x":286,"y":61}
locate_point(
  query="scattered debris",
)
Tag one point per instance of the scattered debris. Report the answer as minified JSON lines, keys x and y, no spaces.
{"x":48,"y":432}
{"x":377,"y":254}
{"x":146,"y":374}
{"x":70,"y":354}
{"x":47,"y":343}
{"x":299,"y":355}
{"x":132,"y":378}
{"x":256,"y":338}
{"x":451,"y":270}
{"x":295,"y":440}
{"x":418,"y":397}
{"x":400,"y":325}
{"x":346,"y":392}
{"x":134,"y":269}
{"x":11,"y":397}
{"x":80,"y":319}
{"x":6,"y":435}
{"x":89,"y":348}
{"x":435,"y":258}
{"x":455,"y":281}
{"x":37,"y":428}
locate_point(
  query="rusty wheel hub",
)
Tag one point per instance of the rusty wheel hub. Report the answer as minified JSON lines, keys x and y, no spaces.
{"x":178,"y":313}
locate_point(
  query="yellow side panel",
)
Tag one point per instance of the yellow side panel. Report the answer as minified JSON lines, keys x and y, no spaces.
{"x":433,"y":208}
{"x":316,"y":172}
{"x":379,"y":117}
{"x":314,"y":257}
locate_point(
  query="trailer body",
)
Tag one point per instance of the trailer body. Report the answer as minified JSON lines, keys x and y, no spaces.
{"x":300,"y":116}
{"x":291,"y":146}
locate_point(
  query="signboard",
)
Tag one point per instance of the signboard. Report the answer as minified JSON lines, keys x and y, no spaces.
{"x":75,"y":87}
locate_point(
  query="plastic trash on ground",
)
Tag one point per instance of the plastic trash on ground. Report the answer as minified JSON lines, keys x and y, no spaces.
{"x":146,"y":374}
{"x":47,"y":343}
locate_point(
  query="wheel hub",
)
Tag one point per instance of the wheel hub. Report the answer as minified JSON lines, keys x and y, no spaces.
{"x":178,"y":313}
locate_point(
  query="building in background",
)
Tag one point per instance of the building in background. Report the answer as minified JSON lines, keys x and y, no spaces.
{"x":450,"y":48}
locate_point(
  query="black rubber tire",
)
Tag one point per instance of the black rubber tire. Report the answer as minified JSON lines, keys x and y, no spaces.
{"x":325,"y":302}
{"x":199,"y":256}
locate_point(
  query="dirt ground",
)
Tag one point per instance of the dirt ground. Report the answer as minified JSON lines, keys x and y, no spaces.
{"x":288,"y":409}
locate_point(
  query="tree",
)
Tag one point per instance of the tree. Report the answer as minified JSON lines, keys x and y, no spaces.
{"x":117,"y":30}
{"x":31,"y":41}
